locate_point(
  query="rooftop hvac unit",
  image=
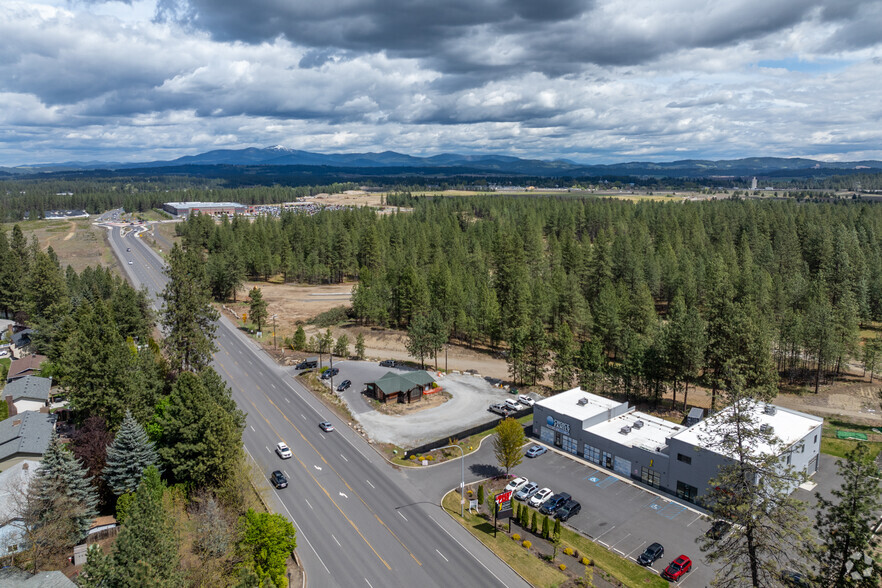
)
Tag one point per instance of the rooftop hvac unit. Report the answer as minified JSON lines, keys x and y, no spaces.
{"x":767,"y":429}
{"x":638,"y":424}
{"x":770,"y":409}
{"x":625,"y":430}
{"x":582,"y":401}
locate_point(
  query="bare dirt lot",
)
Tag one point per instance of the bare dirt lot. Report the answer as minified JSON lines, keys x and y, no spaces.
{"x":76,"y":242}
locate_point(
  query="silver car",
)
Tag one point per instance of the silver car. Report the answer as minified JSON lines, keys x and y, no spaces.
{"x":527,"y":491}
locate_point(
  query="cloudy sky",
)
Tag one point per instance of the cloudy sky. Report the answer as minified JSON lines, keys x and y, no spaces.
{"x":595,"y":81}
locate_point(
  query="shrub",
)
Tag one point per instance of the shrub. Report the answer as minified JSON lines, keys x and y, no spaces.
{"x":534,"y":522}
{"x":587,"y":562}
{"x":412,"y":458}
{"x":527,"y":544}
{"x":481,"y":494}
{"x":516,"y":537}
{"x":331,"y":317}
{"x":562,"y":567}
{"x":568,"y":551}
{"x":430,"y":458}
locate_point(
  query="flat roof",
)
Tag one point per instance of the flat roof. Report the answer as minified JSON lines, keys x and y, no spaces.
{"x":568,"y":403}
{"x":788,"y":426}
{"x":652,"y":435}
{"x":205,"y":204}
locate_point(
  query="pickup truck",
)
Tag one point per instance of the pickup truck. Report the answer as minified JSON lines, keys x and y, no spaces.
{"x":500,"y":409}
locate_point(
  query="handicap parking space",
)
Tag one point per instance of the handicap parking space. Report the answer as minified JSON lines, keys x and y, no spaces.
{"x":622,"y":516}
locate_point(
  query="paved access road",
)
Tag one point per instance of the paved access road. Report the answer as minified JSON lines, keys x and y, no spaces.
{"x":359,"y":522}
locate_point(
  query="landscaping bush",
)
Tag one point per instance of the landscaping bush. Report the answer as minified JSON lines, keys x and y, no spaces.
{"x":587,"y":562}
{"x":412,"y":458}
{"x":568,"y":551}
{"x":562,"y":567}
{"x":481,"y":494}
{"x":527,"y":544}
{"x":546,"y":528}
{"x":534,"y":522}
{"x":516,"y":537}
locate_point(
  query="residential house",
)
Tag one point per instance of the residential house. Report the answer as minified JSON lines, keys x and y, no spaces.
{"x":25,"y":436}
{"x":13,"y":483}
{"x":27,"y":393}
{"x":26,"y":366}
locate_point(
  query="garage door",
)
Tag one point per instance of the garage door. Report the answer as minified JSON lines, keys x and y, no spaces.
{"x":622,"y":466}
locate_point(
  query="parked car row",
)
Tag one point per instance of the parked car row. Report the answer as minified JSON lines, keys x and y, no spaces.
{"x":511,"y":405}
{"x":561,"y":505}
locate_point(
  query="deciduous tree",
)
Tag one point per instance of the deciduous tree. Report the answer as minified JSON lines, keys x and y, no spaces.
{"x":267,"y":541}
{"x":508,"y":444}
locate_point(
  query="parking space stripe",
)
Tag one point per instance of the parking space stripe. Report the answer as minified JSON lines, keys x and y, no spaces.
{"x":606,"y":483}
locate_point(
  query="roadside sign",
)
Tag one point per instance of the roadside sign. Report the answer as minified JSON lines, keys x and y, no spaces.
{"x":503,"y":505}
{"x":504,"y":497}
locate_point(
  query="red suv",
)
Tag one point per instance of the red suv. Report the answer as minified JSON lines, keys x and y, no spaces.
{"x":677,"y":568}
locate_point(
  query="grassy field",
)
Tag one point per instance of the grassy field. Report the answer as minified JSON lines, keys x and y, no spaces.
{"x":539,"y":573}
{"x":76,"y":242}
{"x":839,"y":447}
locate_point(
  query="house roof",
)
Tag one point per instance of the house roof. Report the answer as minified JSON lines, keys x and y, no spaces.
{"x":11,"y":480}
{"x":23,"y":337}
{"x":392,"y":382}
{"x":16,"y":578}
{"x":19,"y":367}
{"x":28,"y":432}
{"x":28,"y":388}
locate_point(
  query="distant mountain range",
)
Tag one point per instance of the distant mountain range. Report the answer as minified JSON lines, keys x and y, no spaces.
{"x":393,"y":163}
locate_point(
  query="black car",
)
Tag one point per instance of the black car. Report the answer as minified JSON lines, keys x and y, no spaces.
{"x":652,"y":553}
{"x":718,"y":530}
{"x":279,"y":480}
{"x":306,"y":365}
{"x":330,"y":373}
{"x":554,"y":503}
{"x":344,"y":385}
{"x":570,"y":509}
{"x":388,"y":363}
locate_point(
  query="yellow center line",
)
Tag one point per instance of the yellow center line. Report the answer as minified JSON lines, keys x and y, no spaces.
{"x":303,"y":465}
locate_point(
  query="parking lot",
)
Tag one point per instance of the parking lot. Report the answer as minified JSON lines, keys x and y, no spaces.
{"x":467,"y":407}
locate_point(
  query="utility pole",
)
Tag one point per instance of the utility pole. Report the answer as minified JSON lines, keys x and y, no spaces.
{"x":462,"y":483}
{"x":274,"y":331}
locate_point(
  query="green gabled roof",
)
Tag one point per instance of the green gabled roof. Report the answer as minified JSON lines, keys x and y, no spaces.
{"x":392,"y":382}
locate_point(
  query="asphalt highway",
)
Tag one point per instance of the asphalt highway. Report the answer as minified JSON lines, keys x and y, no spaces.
{"x":359,"y":522}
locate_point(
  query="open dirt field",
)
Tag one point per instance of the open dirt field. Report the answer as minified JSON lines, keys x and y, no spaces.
{"x":76,"y":242}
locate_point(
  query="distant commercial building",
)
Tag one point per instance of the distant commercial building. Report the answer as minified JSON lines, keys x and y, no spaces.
{"x":65,"y":214}
{"x":678,"y":459}
{"x":214,"y":208}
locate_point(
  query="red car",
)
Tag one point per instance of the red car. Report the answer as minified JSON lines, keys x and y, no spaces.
{"x":677,"y":568}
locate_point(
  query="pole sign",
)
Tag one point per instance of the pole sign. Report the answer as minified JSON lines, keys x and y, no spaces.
{"x":503,"y":506}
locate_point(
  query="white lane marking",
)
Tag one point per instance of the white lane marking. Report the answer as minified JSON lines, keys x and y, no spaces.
{"x":335,"y":540}
{"x":286,"y":473}
{"x":344,"y":458}
{"x":604,"y":544}
{"x":308,"y":504}
{"x":343,"y":495}
{"x":303,"y":416}
{"x":323,"y":435}
{"x":402,"y":516}
{"x":252,"y":428}
{"x":286,"y":400}
{"x":622,"y":539}
{"x":297,"y":526}
{"x":368,"y":583}
{"x":469,"y":552}
{"x":605,"y":532}
{"x":619,"y":550}
{"x":273,"y":385}
{"x":442,"y":555}
{"x":250,"y":362}
{"x":641,"y":545}
{"x":268,"y":449}
{"x":372,"y":486}
{"x":693,"y":520}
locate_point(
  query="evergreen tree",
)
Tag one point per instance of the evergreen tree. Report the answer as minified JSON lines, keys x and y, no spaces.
{"x":61,"y":473}
{"x":341,"y":347}
{"x":146,"y":551}
{"x":546,"y":528}
{"x":419,"y":338}
{"x":481,"y":494}
{"x":188,"y":318}
{"x":535,"y":352}
{"x":845,"y":526}
{"x":359,"y":347}
{"x":257,"y":307}
{"x":534,"y":524}
{"x":299,"y":343}
{"x":564,"y":366}
{"x":46,"y":301}
{"x":128,"y":456}
{"x":201,"y":430}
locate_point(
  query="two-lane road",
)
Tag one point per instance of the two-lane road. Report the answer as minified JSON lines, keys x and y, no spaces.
{"x":359,"y":522}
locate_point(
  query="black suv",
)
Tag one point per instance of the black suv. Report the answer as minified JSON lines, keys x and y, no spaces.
{"x":554,"y":503}
{"x":279,"y":480}
{"x":306,"y":365}
{"x":652,"y":553}
{"x":344,"y":385}
{"x":330,"y":373}
{"x":570,"y":509}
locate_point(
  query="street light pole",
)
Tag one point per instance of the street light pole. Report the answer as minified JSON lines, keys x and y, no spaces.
{"x":274,"y":331}
{"x":462,"y":483}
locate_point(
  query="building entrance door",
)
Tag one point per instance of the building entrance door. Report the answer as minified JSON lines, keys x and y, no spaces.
{"x":558,"y":439}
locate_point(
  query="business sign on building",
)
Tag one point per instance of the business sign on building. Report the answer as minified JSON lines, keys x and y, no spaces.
{"x":558,"y":425}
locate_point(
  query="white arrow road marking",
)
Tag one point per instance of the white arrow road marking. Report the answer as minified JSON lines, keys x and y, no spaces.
{"x":317,"y":467}
{"x":343,"y":495}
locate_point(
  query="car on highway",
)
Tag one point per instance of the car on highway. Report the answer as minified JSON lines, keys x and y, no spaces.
{"x":279,"y":480}
{"x":283,"y":450}
{"x":326,"y":426}
{"x":516,"y":484}
{"x":330,"y":373}
{"x":651,"y":554}
{"x":718,"y":530}
{"x":344,"y":385}
{"x":388,"y":363}
{"x":570,"y":509}
{"x":307,"y":365}
{"x":677,"y":568}
{"x":130,"y":262}
{"x":128,"y":248}
{"x":535,"y":451}
{"x":540,"y":497}
{"x":527,"y":491}
{"x":526,"y":400}
{"x":554,"y":503}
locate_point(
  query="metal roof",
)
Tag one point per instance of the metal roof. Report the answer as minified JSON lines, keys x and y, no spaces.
{"x":392,"y":382}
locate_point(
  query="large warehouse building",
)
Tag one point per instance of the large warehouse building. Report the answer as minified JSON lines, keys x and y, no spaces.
{"x":678,"y":459}
{"x":185,"y":208}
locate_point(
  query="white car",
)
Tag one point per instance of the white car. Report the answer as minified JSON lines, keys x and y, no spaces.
{"x":540,"y":497}
{"x":526,"y":400}
{"x":283,"y":450}
{"x":516,"y":484}
{"x":130,"y":262}
{"x":512,"y":404}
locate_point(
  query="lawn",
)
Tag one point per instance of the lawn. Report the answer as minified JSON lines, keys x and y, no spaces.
{"x":539,"y":573}
{"x":839,"y":447}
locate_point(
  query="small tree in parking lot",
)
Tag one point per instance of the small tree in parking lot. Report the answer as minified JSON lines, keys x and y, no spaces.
{"x":508,"y":443}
